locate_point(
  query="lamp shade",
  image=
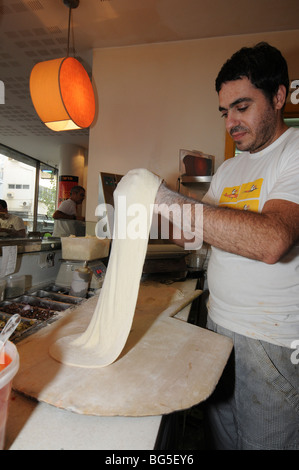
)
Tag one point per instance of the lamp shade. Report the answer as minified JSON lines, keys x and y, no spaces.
{"x":62,"y":94}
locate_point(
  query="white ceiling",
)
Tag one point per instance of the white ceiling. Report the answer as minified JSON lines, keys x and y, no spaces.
{"x":35,"y":30}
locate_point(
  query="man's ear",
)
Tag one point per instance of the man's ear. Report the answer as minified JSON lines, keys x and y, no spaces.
{"x":280,"y":97}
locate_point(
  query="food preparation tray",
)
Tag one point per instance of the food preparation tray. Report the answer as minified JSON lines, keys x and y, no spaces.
{"x":37,"y":308}
{"x":36,"y":302}
{"x":56,"y":289}
{"x":35,"y":312}
{"x":26,"y":325}
{"x":57,"y":297}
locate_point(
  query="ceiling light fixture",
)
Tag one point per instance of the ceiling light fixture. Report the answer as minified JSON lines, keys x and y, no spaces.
{"x":61,"y":91}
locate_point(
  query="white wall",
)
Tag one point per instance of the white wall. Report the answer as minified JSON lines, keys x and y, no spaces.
{"x":155,"y":99}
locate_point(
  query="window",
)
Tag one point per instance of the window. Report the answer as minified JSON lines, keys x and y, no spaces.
{"x":18,"y":186}
{"x":29,"y":188}
{"x":46,"y":198}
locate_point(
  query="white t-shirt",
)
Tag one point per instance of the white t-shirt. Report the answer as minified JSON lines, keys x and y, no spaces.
{"x":12,"y":222}
{"x":66,"y":227}
{"x":246,"y":296}
{"x":68,"y":207}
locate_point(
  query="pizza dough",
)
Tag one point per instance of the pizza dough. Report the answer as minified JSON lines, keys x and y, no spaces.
{"x":107,"y":333}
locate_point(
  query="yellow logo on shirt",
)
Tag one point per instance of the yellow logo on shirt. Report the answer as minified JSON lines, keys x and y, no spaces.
{"x":243,"y":197}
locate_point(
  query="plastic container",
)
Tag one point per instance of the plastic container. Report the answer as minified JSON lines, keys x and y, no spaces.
{"x":84,"y":248}
{"x":15,"y":286}
{"x":6,"y":377}
{"x":2,"y":289}
{"x":80,"y":282}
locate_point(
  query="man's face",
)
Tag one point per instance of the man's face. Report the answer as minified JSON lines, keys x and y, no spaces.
{"x":250,"y":118}
{"x":79,"y":197}
{"x":3,"y":213}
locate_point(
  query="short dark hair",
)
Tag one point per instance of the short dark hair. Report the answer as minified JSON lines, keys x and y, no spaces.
{"x":262,"y":64}
{"x":76,"y":189}
{"x":3,"y":204}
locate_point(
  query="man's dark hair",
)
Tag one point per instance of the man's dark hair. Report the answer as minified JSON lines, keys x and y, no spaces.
{"x":262,"y":64}
{"x":76,"y":189}
{"x":3,"y":204}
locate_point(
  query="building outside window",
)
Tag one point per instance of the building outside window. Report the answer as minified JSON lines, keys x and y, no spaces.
{"x":29,"y":188}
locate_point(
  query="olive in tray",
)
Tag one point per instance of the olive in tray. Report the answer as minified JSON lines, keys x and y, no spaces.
{"x":22,"y":326}
{"x":27,"y":311}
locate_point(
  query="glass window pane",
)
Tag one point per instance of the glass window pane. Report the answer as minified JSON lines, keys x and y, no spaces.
{"x":46,"y":198}
{"x":12,"y":175}
{"x":17,"y":187}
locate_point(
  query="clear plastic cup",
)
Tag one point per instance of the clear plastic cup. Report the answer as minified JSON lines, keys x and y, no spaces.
{"x":80,"y":282}
{"x":2,"y":288}
{"x":6,"y":377}
{"x":15,"y":286}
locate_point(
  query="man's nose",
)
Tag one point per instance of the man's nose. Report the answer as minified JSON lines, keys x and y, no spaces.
{"x":231,"y":121}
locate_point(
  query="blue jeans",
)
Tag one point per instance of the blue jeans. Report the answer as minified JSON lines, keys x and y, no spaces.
{"x":256,"y":402}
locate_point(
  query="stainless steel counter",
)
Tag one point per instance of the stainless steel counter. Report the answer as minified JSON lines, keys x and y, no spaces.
{"x":30,"y":245}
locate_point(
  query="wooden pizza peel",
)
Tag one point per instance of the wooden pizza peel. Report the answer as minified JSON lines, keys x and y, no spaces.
{"x":167,"y":364}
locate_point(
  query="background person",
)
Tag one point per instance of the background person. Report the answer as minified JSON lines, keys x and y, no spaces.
{"x":10,"y":224}
{"x":65,"y":216}
{"x":68,"y":208}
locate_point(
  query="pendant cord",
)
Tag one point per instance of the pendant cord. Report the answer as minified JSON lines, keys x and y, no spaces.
{"x":68,"y":34}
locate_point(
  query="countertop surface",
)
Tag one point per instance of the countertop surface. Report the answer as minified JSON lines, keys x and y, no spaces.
{"x":38,"y":426}
{"x":29,"y":245}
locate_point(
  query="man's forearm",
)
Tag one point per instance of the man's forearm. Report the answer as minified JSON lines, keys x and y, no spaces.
{"x":262,"y":237}
{"x":249,"y":234}
{"x":61,"y":215}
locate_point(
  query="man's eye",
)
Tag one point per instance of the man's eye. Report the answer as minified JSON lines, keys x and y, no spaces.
{"x":242,"y":109}
{"x":224,"y":115}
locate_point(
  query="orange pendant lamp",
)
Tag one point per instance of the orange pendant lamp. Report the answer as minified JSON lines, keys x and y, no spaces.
{"x":61,"y":91}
